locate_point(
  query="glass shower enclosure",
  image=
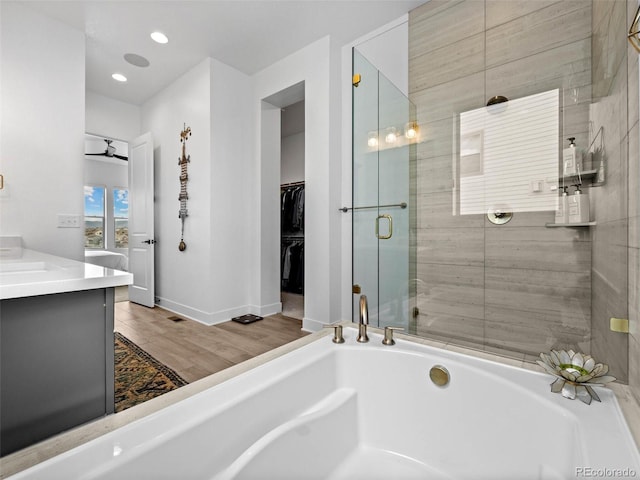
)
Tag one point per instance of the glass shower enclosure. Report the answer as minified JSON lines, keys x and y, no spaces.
{"x":384,"y":136}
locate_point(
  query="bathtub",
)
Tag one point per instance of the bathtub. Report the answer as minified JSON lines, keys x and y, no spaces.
{"x":365,"y":411}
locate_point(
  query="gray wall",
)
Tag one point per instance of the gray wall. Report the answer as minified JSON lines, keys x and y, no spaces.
{"x":520,"y":287}
{"x":523,"y":287}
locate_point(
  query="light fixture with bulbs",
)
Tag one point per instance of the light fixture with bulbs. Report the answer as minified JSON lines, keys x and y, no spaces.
{"x":390,"y":135}
{"x":372,"y":139}
{"x":119,"y":77}
{"x":159,"y":37}
{"x":411,"y":130}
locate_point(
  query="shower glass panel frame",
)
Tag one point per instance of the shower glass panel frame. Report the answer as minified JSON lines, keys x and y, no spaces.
{"x":383,"y":214}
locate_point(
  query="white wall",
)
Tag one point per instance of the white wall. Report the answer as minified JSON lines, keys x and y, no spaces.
{"x":292,"y":158}
{"x":182,"y":278}
{"x":387,"y":48}
{"x":231,"y":193}
{"x":311,"y":65}
{"x":292,"y":143}
{"x":107,"y":117}
{"x":267,"y":222}
{"x":42,"y":129}
{"x":209,"y":281}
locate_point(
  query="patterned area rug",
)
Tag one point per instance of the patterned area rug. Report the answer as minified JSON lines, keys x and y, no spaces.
{"x":138,"y":376}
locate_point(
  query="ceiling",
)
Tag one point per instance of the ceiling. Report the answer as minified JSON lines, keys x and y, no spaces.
{"x":248,"y":35}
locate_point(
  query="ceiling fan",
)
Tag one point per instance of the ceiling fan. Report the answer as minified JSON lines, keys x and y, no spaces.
{"x":110,"y":151}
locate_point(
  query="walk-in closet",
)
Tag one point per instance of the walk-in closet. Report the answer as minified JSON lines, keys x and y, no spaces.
{"x":292,"y":197}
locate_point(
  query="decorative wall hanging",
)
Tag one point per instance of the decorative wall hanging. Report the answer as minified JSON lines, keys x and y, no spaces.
{"x":184,"y":177}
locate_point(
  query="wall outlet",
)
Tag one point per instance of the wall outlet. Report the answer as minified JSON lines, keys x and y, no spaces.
{"x":68,"y":221}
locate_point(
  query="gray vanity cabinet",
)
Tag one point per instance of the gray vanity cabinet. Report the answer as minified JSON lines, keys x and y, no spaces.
{"x":56,"y":364}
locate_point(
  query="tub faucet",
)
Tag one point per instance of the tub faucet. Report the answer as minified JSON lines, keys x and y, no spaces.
{"x":364,"y":320}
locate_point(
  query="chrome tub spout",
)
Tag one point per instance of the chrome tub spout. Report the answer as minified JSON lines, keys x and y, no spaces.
{"x":364,"y":320}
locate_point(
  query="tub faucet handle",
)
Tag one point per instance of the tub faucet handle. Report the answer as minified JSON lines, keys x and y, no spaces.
{"x":388,"y":335}
{"x":337,"y":332}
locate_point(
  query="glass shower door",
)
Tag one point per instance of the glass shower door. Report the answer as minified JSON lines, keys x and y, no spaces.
{"x":382,"y":153}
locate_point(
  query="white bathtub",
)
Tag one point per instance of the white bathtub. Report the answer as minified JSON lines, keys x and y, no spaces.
{"x":368,"y":411}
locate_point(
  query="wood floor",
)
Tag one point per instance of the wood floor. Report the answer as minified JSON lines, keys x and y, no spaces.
{"x":195,"y":350}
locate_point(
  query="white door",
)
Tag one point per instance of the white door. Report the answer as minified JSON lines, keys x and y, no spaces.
{"x":141,"y":229}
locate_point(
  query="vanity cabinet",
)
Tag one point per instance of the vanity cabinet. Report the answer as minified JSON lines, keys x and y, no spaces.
{"x":56,"y":364}
{"x":56,"y":345}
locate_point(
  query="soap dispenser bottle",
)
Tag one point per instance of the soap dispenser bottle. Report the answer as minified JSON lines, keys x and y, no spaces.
{"x":562,"y":207}
{"x":578,"y":206}
{"x":571,"y":159}
{"x":600,"y":175}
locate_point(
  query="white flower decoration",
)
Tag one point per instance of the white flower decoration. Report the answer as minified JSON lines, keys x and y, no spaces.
{"x":575,"y":371}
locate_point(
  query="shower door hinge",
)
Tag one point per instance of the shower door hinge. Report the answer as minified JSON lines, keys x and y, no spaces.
{"x":620,"y":325}
{"x":356,"y":289}
{"x":355,"y":81}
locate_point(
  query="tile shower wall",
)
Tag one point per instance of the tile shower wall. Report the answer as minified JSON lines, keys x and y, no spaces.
{"x":522,"y":287}
{"x":519,"y":287}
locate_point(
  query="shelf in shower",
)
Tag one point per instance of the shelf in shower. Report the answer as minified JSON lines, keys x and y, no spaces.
{"x":585,"y":174}
{"x":585,"y":224}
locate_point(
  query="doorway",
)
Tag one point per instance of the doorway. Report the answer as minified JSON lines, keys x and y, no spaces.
{"x":115,"y":235}
{"x":292,"y":197}
{"x":291,"y":164}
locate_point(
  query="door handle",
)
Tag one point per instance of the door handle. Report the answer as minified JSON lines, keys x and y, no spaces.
{"x":390,"y":234}
{"x":150,"y":241}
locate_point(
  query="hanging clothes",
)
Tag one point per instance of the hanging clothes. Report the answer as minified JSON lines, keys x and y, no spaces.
{"x":292,"y":208}
{"x":292,"y":242}
{"x":292,"y":265}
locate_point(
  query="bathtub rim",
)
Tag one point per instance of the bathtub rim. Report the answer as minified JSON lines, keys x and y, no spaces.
{"x":65,"y":441}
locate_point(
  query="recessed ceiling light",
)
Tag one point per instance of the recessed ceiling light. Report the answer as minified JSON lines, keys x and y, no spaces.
{"x":159,"y":37}
{"x":119,"y":77}
{"x":137,"y":60}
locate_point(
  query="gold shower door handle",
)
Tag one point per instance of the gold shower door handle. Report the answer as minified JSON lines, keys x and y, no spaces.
{"x":384,"y":237}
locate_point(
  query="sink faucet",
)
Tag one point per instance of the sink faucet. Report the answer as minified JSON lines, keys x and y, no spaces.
{"x":364,"y":320}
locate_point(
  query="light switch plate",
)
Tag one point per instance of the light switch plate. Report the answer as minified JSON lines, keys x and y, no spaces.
{"x":68,"y":221}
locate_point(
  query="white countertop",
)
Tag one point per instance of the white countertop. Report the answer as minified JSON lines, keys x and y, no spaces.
{"x":36,"y":273}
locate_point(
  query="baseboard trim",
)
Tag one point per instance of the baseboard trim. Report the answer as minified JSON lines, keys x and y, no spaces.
{"x":310,"y":325}
{"x":221,"y":316}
